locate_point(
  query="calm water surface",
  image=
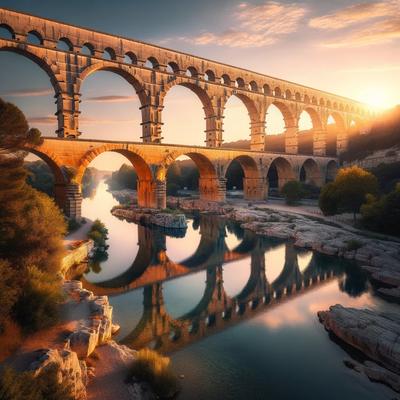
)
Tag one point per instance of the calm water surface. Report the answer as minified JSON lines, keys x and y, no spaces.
{"x":235,"y":312}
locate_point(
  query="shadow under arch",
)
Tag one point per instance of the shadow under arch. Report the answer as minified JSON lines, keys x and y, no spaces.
{"x":331,"y":170}
{"x":310,"y":172}
{"x":280,"y":171}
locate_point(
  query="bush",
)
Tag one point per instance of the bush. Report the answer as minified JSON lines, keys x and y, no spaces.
{"x":99,"y":234}
{"x":24,"y":385}
{"x":9,"y":291}
{"x":383,"y":215}
{"x":37,"y":307}
{"x":154,"y":369}
{"x":293,"y":192}
{"x":348,"y":192}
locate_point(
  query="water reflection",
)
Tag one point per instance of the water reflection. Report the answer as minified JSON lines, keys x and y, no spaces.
{"x":214,"y":286}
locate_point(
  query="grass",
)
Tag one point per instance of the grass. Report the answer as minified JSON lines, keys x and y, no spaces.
{"x":155,"y":369}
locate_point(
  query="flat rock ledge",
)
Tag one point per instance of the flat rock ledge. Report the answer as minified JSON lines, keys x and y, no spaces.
{"x":94,"y":331}
{"x":373,"y":333}
{"x":152,"y":217}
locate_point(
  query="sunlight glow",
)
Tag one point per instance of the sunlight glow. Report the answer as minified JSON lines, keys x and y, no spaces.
{"x":376,"y":97}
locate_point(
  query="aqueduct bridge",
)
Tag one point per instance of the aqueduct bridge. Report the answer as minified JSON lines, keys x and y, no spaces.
{"x":69,"y":54}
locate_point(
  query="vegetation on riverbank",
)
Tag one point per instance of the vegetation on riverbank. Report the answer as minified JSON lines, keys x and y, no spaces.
{"x":154,"y":369}
{"x":31,"y":237}
{"x":99,"y":234}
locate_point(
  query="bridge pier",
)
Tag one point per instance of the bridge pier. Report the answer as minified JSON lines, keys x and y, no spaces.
{"x":73,"y":201}
{"x":319,"y":142}
{"x":291,"y":140}
{"x":254,"y":188}
{"x":212,"y":189}
{"x":342,"y":142}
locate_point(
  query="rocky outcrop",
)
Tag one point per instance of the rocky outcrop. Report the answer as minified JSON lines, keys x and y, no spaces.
{"x":95,"y":330}
{"x":373,"y":333}
{"x":70,"y":371}
{"x":152,"y":217}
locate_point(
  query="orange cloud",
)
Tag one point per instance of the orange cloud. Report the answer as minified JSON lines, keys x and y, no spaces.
{"x":28,"y":92}
{"x":377,"y":33}
{"x":111,"y":99}
{"x":356,"y":13}
{"x":255,"y":25}
{"x":49,"y":120}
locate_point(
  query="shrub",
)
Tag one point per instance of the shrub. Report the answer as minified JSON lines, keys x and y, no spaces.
{"x":383,"y":215}
{"x":293,"y":192}
{"x":99,"y":234}
{"x":328,"y":202}
{"x":154,"y":369}
{"x":24,"y":385}
{"x":37,"y":307}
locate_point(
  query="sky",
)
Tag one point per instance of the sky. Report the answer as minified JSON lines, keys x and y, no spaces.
{"x":350,"y":48}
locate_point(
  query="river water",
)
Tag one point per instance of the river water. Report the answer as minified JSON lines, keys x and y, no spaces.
{"x":235,"y":312}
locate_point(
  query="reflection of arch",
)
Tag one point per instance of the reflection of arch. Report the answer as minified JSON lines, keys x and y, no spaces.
{"x":310,"y":172}
{"x":284,"y":172}
{"x":133,"y":80}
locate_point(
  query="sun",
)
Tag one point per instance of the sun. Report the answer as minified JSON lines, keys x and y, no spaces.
{"x":376,"y":97}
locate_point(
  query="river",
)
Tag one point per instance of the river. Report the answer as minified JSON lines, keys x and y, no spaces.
{"x":235,"y":312}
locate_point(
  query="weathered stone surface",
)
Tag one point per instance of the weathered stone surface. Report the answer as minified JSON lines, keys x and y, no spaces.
{"x":70,"y":370}
{"x":373,"y":333}
{"x":152,"y":217}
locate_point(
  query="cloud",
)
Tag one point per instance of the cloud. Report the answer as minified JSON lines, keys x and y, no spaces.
{"x":255,"y":25}
{"x":380,"y":32}
{"x":28,"y":92}
{"x":378,"y":68}
{"x":48,"y":120}
{"x":356,"y":13}
{"x":105,"y":121}
{"x":111,"y":99}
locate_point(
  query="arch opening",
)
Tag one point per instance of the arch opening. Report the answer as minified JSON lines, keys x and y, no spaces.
{"x":188,"y":127}
{"x":33,"y":82}
{"x":64,"y":44}
{"x":191,"y":72}
{"x":280,"y":171}
{"x":110,"y":109}
{"x":130,"y":58}
{"x":34,"y":37}
{"x":152,"y":63}
{"x":335,"y":125}
{"x":309,"y":121}
{"x":310,"y":173}
{"x":87,"y":49}
{"x":109,"y":54}
{"x":6,"y":32}
{"x":172,"y":67}
{"x":331,"y":171}
{"x":226,"y":80}
{"x":209,"y":76}
{"x":278,"y":117}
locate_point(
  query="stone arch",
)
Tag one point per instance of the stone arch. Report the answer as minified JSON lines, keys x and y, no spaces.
{"x":133,"y":155}
{"x":64,"y":41}
{"x":288,"y":94}
{"x":297,"y":96}
{"x":287,"y":114}
{"x":226,"y":80}
{"x":134,"y":80}
{"x":209,"y":76}
{"x":253,"y":185}
{"x":284,"y":172}
{"x":36,"y":34}
{"x":208,"y":178}
{"x":310,"y":172}
{"x":266,"y":89}
{"x":152,"y":63}
{"x":41,"y":62}
{"x":174,"y":67}
{"x":10,"y":30}
{"x":60,"y":179}
{"x":199,"y":91}
{"x":306,"y":99}
{"x":277,"y":92}
{"x":130,"y":58}
{"x":331,"y":170}
{"x":192,"y":72}
{"x":339,"y":120}
{"x":239,"y":83}
{"x":315,"y":117}
{"x":109,"y":54}
{"x":90,"y":49}
{"x":253,"y":86}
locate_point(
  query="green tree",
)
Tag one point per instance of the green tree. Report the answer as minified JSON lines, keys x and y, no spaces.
{"x":349,"y":191}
